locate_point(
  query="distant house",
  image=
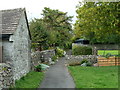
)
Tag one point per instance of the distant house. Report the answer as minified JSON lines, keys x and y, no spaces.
{"x":15,"y":41}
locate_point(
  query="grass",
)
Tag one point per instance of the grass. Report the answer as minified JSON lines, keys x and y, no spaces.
{"x":113,"y":52}
{"x":31,"y":80}
{"x":95,"y":77}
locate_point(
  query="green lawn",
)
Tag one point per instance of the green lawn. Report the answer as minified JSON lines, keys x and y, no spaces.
{"x":31,"y":80}
{"x":95,"y":77}
{"x":113,"y":52}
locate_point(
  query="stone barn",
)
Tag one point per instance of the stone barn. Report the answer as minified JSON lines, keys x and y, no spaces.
{"x":15,"y":41}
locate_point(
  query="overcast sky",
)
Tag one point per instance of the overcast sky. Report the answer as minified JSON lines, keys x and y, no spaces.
{"x":34,"y":7}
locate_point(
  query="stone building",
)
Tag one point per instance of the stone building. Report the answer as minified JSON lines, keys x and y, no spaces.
{"x":15,"y":41}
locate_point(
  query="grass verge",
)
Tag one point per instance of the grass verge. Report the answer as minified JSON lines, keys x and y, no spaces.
{"x":95,"y":77}
{"x":104,"y":52}
{"x":31,"y":80}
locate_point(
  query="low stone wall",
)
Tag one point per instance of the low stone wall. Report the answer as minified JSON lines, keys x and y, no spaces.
{"x":35,"y":56}
{"x":77,"y":59}
{"x":47,"y":55}
{"x":42,"y":56}
{"x":6,"y":76}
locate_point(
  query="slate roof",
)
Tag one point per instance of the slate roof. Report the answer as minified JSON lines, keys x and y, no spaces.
{"x":9,"y":20}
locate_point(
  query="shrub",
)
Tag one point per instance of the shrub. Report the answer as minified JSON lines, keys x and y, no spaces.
{"x":59,"y":52}
{"x":38,"y":68}
{"x":68,"y":45}
{"x":81,"y":50}
{"x":89,"y":64}
{"x":107,"y":55}
{"x":84,"y":61}
{"x":54,"y":58}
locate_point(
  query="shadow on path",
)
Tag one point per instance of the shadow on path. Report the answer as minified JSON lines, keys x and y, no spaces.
{"x":58,"y":76}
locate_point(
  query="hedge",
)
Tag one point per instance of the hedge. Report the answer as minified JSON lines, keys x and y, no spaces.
{"x":81,"y":50}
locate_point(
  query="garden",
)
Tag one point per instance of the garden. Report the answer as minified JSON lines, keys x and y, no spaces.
{"x":95,"y":22}
{"x":88,"y":75}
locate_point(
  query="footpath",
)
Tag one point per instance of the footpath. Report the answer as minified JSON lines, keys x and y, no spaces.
{"x":58,"y":76}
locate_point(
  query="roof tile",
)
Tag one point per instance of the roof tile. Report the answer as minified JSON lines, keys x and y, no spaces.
{"x":10,"y":20}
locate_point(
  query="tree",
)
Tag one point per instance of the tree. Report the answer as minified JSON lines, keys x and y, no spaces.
{"x":98,"y":22}
{"x":58,"y":23}
{"x":38,"y":33}
{"x":53,"y":29}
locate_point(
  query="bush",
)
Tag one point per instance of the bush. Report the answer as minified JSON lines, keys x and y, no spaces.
{"x":68,"y":46}
{"x":59,"y":52}
{"x":54,"y":58}
{"x":38,"y":68}
{"x":107,"y":55}
{"x":81,"y":50}
{"x":84,"y":61}
{"x":88,"y":63}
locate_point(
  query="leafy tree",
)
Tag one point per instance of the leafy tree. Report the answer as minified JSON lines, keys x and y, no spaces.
{"x":38,"y":33}
{"x":53,"y":29}
{"x":98,"y":22}
{"x":58,"y":23}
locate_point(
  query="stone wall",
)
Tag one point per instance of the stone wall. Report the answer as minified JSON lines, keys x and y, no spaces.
{"x":47,"y":55}
{"x":6,"y":76}
{"x":20,"y":54}
{"x":42,"y":56}
{"x":77,"y":59}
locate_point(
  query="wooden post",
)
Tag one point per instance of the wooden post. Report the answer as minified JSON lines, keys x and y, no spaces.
{"x":95,"y":51}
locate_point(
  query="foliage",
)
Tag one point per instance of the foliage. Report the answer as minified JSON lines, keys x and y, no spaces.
{"x":54,"y":58}
{"x":59,"y":52}
{"x":95,"y":77}
{"x":38,"y":68}
{"x":31,"y":80}
{"x":89,"y":64}
{"x":41,"y":67}
{"x":67,"y":45}
{"x":38,"y":33}
{"x":98,"y":22}
{"x":84,"y":61}
{"x":107,"y":55}
{"x":53,"y":29}
{"x":81,"y":50}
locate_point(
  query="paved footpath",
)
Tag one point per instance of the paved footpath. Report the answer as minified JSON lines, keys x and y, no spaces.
{"x":57,"y":76}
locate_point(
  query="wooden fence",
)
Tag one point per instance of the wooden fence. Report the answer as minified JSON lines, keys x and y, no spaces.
{"x":111,"y":61}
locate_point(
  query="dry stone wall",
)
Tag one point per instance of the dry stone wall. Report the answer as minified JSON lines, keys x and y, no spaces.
{"x":42,"y":56}
{"x":6,"y":76}
{"x":47,"y":55}
{"x":77,"y":59}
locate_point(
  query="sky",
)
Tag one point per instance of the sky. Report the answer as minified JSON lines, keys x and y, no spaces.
{"x":34,"y":7}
